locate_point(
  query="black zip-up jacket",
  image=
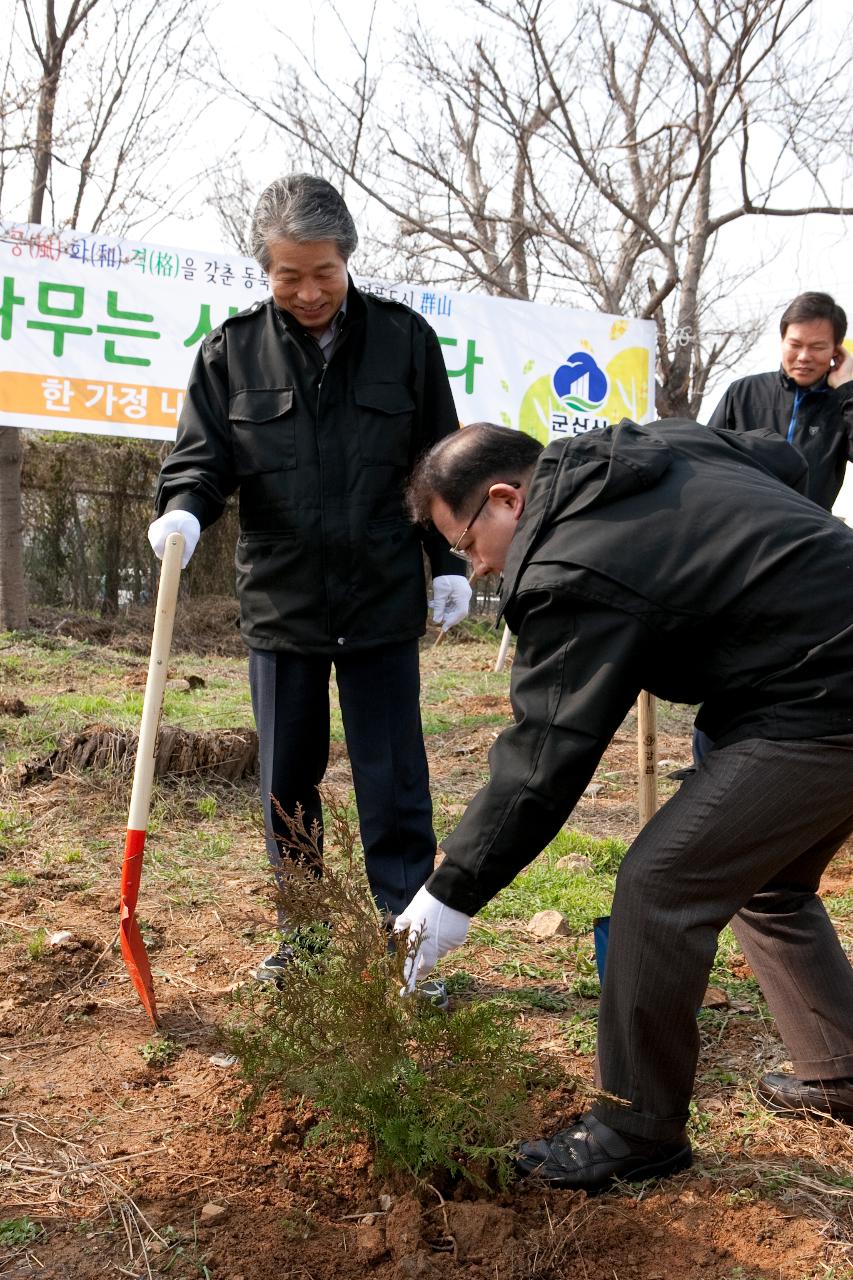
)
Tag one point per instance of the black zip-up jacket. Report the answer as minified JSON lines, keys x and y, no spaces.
{"x":666,"y":558}
{"x":327,"y":560}
{"x":823,"y":427}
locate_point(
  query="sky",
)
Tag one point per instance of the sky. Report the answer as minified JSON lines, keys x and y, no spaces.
{"x":799,"y":253}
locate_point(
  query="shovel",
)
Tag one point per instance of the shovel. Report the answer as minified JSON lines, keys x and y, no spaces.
{"x":132,"y":945}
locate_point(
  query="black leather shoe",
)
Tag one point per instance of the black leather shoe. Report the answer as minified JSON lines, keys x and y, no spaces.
{"x":590,"y":1155}
{"x":785,"y":1094}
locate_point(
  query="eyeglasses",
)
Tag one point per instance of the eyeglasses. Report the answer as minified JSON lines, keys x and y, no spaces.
{"x":455,"y":550}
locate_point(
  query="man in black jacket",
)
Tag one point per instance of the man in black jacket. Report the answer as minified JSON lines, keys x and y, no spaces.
{"x":678,"y":560}
{"x":314,"y":405}
{"x":809,"y":401}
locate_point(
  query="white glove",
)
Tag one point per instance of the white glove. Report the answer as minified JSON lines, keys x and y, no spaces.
{"x":175,"y":522}
{"x":451,"y":596}
{"x":434,"y":928}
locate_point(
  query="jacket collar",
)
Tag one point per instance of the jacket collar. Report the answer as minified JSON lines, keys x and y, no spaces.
{"x":575,"y":476}
{"x":790,"y":385}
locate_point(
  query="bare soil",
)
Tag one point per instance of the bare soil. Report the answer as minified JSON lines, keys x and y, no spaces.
{"x":134,"y":1167}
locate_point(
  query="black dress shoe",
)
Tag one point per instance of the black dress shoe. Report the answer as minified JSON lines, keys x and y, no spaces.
{"x":786,"y":1094}
{"x":589,"y":1155}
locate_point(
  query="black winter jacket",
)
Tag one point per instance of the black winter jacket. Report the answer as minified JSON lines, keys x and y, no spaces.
{"x":823,"y":431}
{"x":327,"y":560}
{"x":666,"y":558}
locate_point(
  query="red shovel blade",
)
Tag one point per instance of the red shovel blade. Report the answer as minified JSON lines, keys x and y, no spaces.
{"x":132,"y":945}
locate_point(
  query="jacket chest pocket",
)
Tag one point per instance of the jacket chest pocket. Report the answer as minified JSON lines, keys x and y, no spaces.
{"x":385,"y":413}
{"x":263,"y":430}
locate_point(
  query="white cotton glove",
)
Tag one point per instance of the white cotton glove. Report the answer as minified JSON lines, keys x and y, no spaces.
{"x":451,"y":596}
{"x":175,"y":522}
{"x":435,"y":928}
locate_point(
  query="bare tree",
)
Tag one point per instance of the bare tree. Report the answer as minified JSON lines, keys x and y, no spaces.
{"x":596,"y":158}
{"x":84,"y":129}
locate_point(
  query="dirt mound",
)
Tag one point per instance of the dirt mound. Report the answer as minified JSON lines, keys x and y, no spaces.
{"x":14,"y":707}
{"x":229,"y":754}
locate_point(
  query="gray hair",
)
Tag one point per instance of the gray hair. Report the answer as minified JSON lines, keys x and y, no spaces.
{"x":304,"y":208}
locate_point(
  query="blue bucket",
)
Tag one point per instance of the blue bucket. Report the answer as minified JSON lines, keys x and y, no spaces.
{"x":600,"y":934}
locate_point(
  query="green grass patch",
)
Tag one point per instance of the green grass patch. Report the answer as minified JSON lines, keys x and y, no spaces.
{"x":14,"y":827}
{"x":537,"y":998}
{"x":579,"y":895}
{"x":839,"y":905}
{"x":37,"y":944}
{"x":17,"y":879}
{"x":435,"y":722}
{"x":159,"y":1052}
{"x":580,"y":1031}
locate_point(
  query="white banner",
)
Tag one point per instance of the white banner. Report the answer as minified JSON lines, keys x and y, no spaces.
{"x":99,"y":335}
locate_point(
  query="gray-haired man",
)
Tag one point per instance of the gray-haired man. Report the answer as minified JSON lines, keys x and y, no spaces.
{"x":314,"y":405}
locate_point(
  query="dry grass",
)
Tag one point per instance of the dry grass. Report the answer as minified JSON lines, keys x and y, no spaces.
{"x":55,"y":1177}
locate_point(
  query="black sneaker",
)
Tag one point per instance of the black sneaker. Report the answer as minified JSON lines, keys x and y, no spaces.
{"x":298,"y":945}
{"x":273,"y":968}
{"x":434,"y":991}
{"x":590,"y":1155}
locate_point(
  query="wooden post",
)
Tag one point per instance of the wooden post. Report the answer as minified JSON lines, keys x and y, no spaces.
{"x":647,"y":755}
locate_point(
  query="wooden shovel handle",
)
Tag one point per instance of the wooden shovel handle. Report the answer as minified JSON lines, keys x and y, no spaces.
{"x":158,"y":669}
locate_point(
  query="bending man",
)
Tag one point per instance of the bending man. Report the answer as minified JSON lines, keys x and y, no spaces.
{"x":680,"y":560}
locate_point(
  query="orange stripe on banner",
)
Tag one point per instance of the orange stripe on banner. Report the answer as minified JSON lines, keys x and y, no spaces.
{"x":50,"y":395}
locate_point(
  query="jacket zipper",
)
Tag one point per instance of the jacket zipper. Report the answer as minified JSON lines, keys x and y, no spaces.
{"x":799,"y":394}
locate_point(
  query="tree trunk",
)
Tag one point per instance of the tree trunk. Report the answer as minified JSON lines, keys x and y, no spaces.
{"x":13,"y":595}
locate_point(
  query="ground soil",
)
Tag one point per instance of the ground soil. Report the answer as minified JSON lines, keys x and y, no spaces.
{"x":137,"y":1168}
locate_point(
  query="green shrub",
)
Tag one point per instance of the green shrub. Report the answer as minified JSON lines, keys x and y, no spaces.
{"x":431,"y":1092}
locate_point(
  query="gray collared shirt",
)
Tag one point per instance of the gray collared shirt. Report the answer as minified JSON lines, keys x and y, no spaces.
{"x":328,"y":338}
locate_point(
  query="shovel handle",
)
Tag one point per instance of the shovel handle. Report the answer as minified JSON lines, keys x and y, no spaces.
{"x":158,"y":670}
{"x":500,"y":661}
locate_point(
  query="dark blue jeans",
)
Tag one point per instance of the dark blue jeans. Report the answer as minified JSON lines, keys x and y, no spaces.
{"x":379,"y":693}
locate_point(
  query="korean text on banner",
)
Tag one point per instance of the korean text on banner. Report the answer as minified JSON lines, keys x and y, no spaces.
{"x":99,"y":334}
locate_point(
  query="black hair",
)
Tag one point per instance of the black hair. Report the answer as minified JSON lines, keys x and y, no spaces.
{"x":462,"y":466}
{"x":815,"y":306}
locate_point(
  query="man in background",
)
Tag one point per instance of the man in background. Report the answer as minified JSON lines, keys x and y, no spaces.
{"x":313,"y":405}
{"x":809,"y":400}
